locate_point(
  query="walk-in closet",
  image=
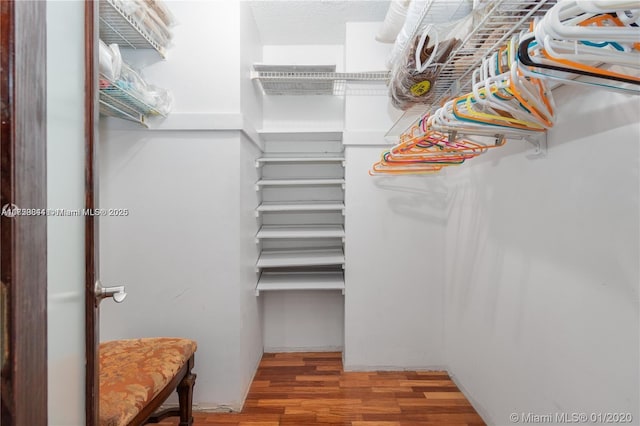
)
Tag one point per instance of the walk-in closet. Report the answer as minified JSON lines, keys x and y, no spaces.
{"x":363,"y":212}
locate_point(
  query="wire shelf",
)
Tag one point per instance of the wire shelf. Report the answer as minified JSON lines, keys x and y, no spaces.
{"x":431,"y":8}
{"x":118,"y":102}
{"x":116,"y":26}
{"x":111,"y":108}
{"x":503,"y":18}
{"x":318,"y":80}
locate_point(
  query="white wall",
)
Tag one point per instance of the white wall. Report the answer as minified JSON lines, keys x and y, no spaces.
{"x":178,"y":250}
{"x":250,"y":53}
{"x":395,"y":236}
{"x":542,"y":267}
{"x":203,"y":63}
{"x":251,"y":342}
{"x":303,"y":321}
{"x":186,"y":252}
{"x":251,"y":103}
{"x":367,"y":114}
{"x":394,"y":268}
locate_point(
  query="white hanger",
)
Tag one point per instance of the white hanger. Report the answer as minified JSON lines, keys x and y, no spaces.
{"x":606,"y":6}
{"x":574,"y":51}
{"x":561,"y":21}
{"x":567,"y":76}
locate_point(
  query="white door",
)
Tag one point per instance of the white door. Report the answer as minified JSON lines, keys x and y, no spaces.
{"x":66,"y":191}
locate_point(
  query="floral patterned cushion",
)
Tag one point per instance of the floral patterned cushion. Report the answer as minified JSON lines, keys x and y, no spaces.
{"x":134,"y":371}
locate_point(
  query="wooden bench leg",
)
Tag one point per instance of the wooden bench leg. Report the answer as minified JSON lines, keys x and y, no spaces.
{"x":185,"y":396}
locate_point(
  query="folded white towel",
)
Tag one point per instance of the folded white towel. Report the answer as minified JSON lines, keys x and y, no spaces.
{"x":393,"y":21}
{"x":105,"y":61}
{"x":110,"y":61}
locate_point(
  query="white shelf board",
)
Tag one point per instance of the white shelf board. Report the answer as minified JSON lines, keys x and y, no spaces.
{"x":287,"y":258}
{"x":300,"y":231}
{"x":263,"y":160}
{"x":298,"y":182}
{"x":300,"y":206}
{"x":282,"y":281}
{"x":306,"y":134}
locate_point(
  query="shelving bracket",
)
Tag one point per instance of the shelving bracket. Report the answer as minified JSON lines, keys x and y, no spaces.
{"x":539,"y":143}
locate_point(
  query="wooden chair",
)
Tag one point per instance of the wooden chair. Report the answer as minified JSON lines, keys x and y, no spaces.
{"x":138,"y":375}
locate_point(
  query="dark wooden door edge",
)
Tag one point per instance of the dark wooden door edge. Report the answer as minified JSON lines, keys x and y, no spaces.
{"x":92,"y":320}
{"x":23,"y":239}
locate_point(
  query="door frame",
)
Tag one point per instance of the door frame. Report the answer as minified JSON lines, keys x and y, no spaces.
{"x":23,"y":239}
{"x":92,"y":259}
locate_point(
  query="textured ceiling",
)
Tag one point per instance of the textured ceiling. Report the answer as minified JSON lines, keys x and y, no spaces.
{"x":312,"y":21}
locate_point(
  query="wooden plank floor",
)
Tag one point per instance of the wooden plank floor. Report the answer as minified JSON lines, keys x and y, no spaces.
{"x":312,"y":389}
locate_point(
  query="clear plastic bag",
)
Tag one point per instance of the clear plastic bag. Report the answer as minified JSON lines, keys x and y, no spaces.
{"x":439,"y":12}
{"x":149,"y":15}
{"x":110,"y":61}
{"x":158,"y":98}
{"x":413,"y":78}
{"x":414,"y":75}
{"x":162,"y":11}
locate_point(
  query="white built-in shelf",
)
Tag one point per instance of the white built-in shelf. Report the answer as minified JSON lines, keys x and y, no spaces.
{"x":295,"y":134}
{"x":299,"y":263}
{"x":279,"y":281}
{"x":292,"y":258}
{"x":299,"y":231}
{"x":297,"y":160}
{"x":298,"y":182}
{"x":300,"y":206}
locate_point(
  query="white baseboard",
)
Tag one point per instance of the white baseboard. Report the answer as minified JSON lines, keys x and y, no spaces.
{"x":206,"y":408}
{"x":394,"y":368}
{"x":474,"y":403}
{"x":255,"y":370}
{"x":280,"y":349}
